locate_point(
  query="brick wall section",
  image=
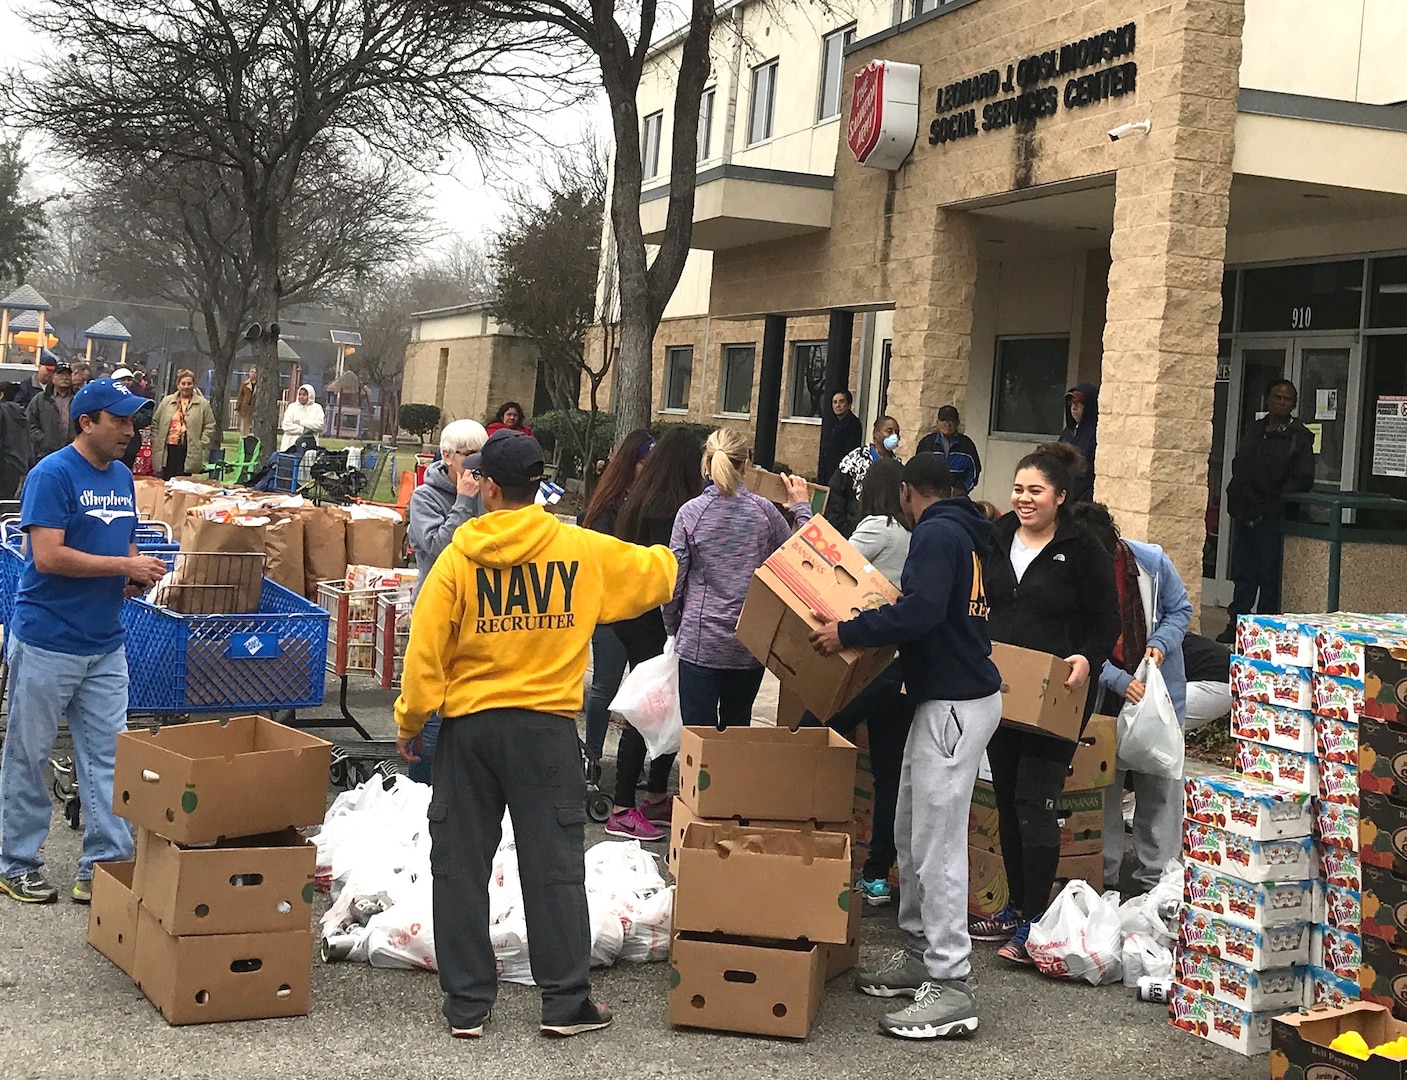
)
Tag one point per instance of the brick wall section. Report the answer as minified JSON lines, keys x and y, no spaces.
{"x":483,"y":373}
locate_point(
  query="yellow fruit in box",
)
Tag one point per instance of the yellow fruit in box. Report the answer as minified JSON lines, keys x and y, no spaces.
{"x":1352,"y":1044}
{"x":1397,"y":1049}
{"x":1371,"y":903}
{"x":1367,"y":756}
{"x":1367,"y":831}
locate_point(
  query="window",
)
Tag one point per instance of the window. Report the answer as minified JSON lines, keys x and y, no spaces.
{"x":736,"y":393}
{"x":705,"y":124}
{"x":920,"y":6}
{"x":650,"y":145}
{"x":764,"y":102}
{"x":1305,"y":296}
{"x":808,"y":379}
{"x":832,"y":65}
{"x":1028,"y":387}
{"x":678,"y":371}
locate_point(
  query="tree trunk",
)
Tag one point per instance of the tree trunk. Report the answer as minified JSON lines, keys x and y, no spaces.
{"x":265,"y":351}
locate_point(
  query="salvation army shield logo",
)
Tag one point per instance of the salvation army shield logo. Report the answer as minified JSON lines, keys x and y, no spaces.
{"x":866,"y":110}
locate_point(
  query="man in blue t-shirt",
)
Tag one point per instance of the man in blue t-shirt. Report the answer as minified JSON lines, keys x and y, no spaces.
{"x":65,"y":640}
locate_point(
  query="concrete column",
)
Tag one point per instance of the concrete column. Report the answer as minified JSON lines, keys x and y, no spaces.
{"x":838,"y":336}
{"x":1168,"y":252}
{"x":769,"y":390}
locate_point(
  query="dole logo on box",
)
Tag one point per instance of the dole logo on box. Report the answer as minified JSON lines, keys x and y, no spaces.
{"x":814,"y":537}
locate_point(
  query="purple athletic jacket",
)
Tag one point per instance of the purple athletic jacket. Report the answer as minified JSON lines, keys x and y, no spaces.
{"x":719,"y":541}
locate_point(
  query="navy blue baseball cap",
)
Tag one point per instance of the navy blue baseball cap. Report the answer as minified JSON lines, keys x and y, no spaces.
{"x":509,"y":458}
{"x":108,"y":396}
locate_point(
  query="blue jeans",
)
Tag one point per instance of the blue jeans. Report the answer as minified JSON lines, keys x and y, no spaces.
{"x":91,"y":693}
{"x":717,"y":697}
{"x":429,"y":735}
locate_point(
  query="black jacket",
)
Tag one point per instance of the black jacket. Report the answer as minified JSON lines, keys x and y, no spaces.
{"x":46,"y":428}
{"x":1084,"y":437}
{"x":29,"y":390}
{"x":838,"y":441}
{"x":961,"y":456}
{"x":1268,"y":464}
{"x":940,"y":619}
{"x":16,"y":453}
{"x":1066,"y":603}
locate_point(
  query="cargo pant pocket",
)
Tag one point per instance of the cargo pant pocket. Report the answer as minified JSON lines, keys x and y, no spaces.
{"x":438,"y":814}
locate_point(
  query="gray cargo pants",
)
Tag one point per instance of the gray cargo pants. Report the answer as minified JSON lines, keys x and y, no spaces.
{"x":529,"y":763}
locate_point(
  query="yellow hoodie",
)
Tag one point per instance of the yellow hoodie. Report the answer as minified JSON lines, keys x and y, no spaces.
{"x":505,"y":617}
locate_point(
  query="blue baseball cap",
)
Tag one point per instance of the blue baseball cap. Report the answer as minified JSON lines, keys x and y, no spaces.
{"x":106,"y":395}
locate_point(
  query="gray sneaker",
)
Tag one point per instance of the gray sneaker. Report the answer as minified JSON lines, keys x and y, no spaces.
{"x":940,"y":1010}
{"x":900,"y":977}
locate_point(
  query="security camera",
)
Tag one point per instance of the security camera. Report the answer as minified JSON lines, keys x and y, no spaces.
{"x":1143,"y":126}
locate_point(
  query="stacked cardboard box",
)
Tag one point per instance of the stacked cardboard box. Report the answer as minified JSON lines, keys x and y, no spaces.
{"x":762,"y":813}
{"x":213,"y":919}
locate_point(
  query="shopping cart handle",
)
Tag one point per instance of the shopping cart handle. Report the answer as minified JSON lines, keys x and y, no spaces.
{"x":151,"y":777}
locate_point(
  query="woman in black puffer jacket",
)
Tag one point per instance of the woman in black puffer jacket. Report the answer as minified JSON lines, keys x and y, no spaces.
{"x":1051,"y":588}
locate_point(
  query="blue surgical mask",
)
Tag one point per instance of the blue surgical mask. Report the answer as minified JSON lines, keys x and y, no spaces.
{"x":891,"y":443}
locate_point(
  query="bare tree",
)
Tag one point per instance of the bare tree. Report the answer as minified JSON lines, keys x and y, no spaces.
{"x":255,"y":87}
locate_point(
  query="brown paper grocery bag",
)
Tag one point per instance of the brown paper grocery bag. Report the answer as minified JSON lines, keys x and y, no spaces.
{"x":374,"y":542}
{"x":227,"y":586}
{"x":177,"y":504}
{"x":324,"y":546}
{"x":151,"y":496}
{"x":283,"y":551}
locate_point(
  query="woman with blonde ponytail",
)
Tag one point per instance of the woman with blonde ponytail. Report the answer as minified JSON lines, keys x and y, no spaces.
{"x":720,"y":538}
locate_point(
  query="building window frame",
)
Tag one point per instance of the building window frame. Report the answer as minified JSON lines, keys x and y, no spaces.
{"x":998,"y":427}
{"x":675,"y":380}
{"x":729,"y":383}
{"x":651,"y":133}
{"x":833,"y":47}
{"x":764,"y":94}
{"x":805,"y":356}
{"x":706,"y":102}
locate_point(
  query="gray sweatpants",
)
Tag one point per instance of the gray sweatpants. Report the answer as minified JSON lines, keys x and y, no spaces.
{"x":530,"y":763}
{"x":1157,"y":827}
{"x":930,"y":828}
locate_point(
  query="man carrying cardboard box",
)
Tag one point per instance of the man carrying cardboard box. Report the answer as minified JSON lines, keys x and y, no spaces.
{"x":939,"y":623}
{"x":498,"y":646}
{"x":64,"y":643}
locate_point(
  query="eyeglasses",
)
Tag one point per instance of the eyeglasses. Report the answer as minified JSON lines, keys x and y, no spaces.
{"x":476,"y":474}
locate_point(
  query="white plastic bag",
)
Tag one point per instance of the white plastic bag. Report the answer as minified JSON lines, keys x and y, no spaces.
{"x":648,"y":699}
{"x":1078,"y":937}
{"x":1144,"y":955}
{"x":1149,"y":737}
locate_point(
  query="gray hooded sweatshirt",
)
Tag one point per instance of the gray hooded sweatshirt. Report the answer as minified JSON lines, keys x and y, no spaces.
{"x":436,"y":510}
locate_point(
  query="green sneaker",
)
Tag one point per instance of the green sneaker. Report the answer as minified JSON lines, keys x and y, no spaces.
{"x":29,"y":888}
{"x":82,"y":891}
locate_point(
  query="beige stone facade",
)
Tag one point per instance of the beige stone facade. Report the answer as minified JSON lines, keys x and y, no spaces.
{"x":461,"y":360}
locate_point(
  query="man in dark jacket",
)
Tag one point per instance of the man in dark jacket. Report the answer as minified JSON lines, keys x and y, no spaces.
{"x":841,"y":437}
{"x":1274,"y":457}
{"x":957,"y":449}
{"x":1082,"y":432}
{"x":939,"y":623}
{"x":15,"y":451}
{"x":35,"y":385}
{"x":50,"y":428}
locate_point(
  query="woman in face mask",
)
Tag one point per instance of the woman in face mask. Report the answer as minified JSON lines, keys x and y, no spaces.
{"x":843,"y":507}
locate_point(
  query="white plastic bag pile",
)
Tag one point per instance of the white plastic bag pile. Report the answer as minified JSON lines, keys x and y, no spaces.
{"x":1084,"y":935}
{"x":374,"y":856}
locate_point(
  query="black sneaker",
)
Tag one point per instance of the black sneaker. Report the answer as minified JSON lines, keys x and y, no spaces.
{"x":31,"y":887}
{"x":590,"y":1017}
{"x":471,"y":1031}
{"x":1228,"y":636}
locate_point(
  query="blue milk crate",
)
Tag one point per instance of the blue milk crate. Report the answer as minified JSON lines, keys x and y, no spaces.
{"x":275,"y":659}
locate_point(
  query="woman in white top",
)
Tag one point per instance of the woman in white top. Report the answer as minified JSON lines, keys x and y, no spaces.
{"x":302,"y":417}
{"x":882,"y":534}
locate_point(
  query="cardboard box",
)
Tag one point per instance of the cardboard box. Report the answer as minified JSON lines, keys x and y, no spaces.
{"x":1273,"y":765}
{"x":1081,"y":821}
{"x":1285,"y":641}
{"x":211,"y":978}
{"x":1336,"y":950}
{"x":1034,"y":696}
{"x":760,"y":988}
{"x":683,"y":817}
{"x":197,"y":783}
{"x":807,"y":875}
{"x":1385,"y":684}
{"x":1289,"y":729}
{"x":262,"y":885}
{"x":1219,"y":1022}
{"x":1382,"y":758}
{"x":1336,"y":740}
{"x":1266,"y":903}
{"x":1335,"y":822}
{"x":1325,"y":988}
{"x":1256,"y":991}
{"x":814,"y":576}
{"x":790,"y":709}
{"x":1384,"y":905}
{"x":987,"y":891}
{"x":1257,"y":811}
{"x":112,"y":916}
{"x":1340,"y":908}
{"x":1382,"y":831}
{"x":1299,"y":1044}
{"x":1382,"y":974}
{"x":1338,"y":782}
{"x":1339,"y":866}
{"x":1260,"y":948}
{"x":773,"y":488}
{"x":1288,"y":859}
{"x":1342,"y":650}
{"x":1338,"y":697}
{"x":1096,"y":755}
{"x":838,"y":959}
{"x":768,"y":773}
{"x":1260,"y":680}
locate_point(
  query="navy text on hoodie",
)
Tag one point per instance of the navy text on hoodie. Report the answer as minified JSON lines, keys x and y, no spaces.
{"x":939,"y":621}
{"x":1084,"y":437}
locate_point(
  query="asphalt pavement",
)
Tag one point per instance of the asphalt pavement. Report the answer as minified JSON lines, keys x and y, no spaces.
{"x":66,"y":1011}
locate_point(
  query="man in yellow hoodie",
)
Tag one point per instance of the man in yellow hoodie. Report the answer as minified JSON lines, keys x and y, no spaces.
{"x":498,"y":646}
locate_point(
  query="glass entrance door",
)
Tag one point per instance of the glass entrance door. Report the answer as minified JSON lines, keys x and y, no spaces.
{"x":1326,"y":376}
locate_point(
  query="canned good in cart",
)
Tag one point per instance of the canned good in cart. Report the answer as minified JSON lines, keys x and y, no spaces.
{"x":392,"y":634}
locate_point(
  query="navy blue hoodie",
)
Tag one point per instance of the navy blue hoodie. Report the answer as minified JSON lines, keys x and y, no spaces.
{"x":1084,"y":437}
{"x":939,"y":621}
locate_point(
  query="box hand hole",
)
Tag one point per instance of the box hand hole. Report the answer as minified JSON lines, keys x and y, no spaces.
{"x":245,"y":967}
{"x":284,"y":991}
{"x":735,"y":976}
{"x":845,"y":577}
{"x":238,"y":880}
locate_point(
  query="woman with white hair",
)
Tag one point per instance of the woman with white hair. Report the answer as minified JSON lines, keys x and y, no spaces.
{"x":446,"y":500}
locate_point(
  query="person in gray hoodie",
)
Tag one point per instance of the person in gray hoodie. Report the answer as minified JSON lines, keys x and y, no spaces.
{"x":446,"y":500}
